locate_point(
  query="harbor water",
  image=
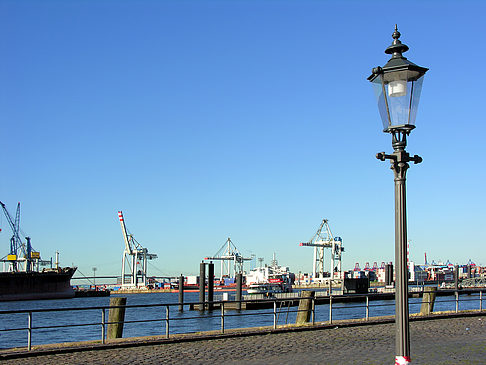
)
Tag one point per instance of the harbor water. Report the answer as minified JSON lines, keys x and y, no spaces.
{"x":180,"y":322}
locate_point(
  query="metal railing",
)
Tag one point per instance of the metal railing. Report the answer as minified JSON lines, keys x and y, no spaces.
{"x":224,"y":307}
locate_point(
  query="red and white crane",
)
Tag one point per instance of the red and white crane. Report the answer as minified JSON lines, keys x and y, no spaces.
{"x":134,"y":264}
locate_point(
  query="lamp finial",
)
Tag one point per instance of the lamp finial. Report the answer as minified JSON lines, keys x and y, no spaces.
{"x":396,"y":34}
{"x":397,"y":47}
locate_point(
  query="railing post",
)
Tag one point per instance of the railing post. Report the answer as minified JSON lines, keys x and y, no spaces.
{"x":457,"y":301}
{"x":29,"y":335}
{"x":275,"y":314}
{"x":330,"y":309}
{"x":313,"y":311}
{"x":480,"y":300}
{"x":103,"y":326}
{"x":222,"y":317}
{"x":367,"y":307}
{"x":167,"y":322}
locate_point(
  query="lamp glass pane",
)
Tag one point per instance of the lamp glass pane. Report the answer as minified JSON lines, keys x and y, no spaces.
{"x":378,"y":89}
{"x":417,"y":89}
{"x":399,"y":106}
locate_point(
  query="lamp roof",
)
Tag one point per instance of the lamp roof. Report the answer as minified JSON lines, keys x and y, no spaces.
{"x":397,"y":62}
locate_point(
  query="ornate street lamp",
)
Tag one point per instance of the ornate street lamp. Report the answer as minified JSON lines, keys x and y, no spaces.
{"x":397,"y":87}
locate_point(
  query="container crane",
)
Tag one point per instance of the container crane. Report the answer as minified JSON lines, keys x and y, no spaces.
{"x":227,"y":254}
{"x":321,"y":240}
{"x":134,"y":262}
{"x":20,"y":252}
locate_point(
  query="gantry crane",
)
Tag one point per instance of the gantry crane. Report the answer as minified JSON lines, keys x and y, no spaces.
{"x":321,"y":240}
{"x":228,"y":254}
{"x":135,"y":259}
{"x":20,"y":252}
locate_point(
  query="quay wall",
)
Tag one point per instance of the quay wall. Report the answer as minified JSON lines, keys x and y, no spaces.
{"x":90,"y":351}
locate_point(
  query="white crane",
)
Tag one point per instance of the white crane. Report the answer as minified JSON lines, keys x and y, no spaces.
{"x":321,"y":240}
{"x":135,"y":259}
{"x":227,"y":254}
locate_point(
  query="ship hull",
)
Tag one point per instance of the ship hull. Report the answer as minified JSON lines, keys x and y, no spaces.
{"x":268,"y":288}
{"x":51,"y":284}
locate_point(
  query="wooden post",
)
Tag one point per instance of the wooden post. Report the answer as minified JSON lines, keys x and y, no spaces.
{"x":428,"y":300}
{"x":388,"y":274}
{"x":305,"y":306}
{"x":115,"y":330}
{"x":202,"y":285}
{"x":456,"y":277}
{"x":239,"y":289}
{"x":210,"y":285}
{"x":181,"y":293}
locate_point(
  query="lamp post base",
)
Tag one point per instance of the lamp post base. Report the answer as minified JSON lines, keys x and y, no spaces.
{"x":402,"y":360}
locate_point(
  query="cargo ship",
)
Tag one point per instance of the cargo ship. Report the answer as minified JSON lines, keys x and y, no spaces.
{"x":269,"y":280}
{"x":46,"y":284}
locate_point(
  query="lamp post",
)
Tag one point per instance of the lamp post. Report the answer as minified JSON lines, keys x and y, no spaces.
{"x":397,"y":87}
{"x":94,"y":277}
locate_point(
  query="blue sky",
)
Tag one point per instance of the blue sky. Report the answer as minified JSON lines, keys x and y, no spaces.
{"x":254,"y":120}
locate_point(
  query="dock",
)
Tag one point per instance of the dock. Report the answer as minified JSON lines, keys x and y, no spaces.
{"x":251,"y":302}
{"x":91,"y":293}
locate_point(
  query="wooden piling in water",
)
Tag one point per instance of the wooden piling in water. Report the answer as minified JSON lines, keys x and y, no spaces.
{"x":117,"y":315}
{"x":239,"y":289}
{"x":305,"y":306}
{"x":428,"y":300}
{"x":202,"y":285}
{"x":181,"y":293}
{"x":456,"y":277}
{"x":388,"y":274}
{"x":210,"y":285}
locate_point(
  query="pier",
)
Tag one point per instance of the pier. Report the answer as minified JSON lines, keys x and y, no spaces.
{"x":255,"y":302}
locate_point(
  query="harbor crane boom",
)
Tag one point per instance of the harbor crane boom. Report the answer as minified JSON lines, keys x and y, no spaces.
{"x":229,"y":253}
{"x":16,"y":243}
{"x":19,"y":251}
{"x":321,"y":240}
{"x":134,"y":259}
{"x":128,"y":247}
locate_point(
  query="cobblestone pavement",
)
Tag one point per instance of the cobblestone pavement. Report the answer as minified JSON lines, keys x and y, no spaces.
{"x":439,"y":341}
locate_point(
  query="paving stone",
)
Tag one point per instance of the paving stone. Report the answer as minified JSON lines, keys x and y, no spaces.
{"x":439,"y":341}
